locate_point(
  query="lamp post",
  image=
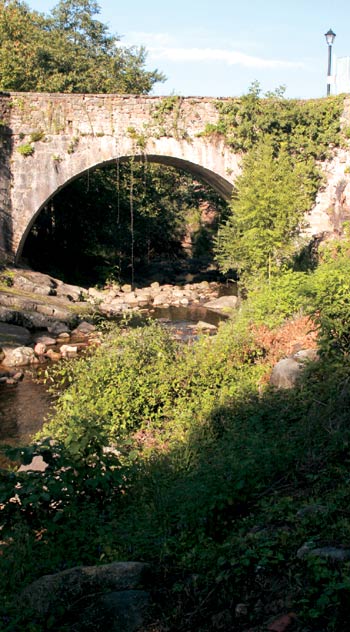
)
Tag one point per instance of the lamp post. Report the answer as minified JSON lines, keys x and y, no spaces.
{"x":330,"y":36}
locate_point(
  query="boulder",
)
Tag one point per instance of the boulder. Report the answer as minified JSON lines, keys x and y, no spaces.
{"x":35,"y":283}
{"x":114,"y":611}
{"x":332,"y":553}
{"x":95,"y":295}
{"x":285,"y":373}
{"x":21,"y":356}
{"x":37,"y":464}
{"x":39,"y":348}
{"x":84,"y":328}
{"x":13,"y":335}
{"x":62,"y":590}
{"x":68,"y":351}
{"x":48,"y":341}
{"x":73,"y":293}
{"x":201,"y":325}
{"x":222,"y":303}
{"x":56,"y":328}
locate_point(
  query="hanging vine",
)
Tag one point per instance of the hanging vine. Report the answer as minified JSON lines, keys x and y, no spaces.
{"x":131,"y":198}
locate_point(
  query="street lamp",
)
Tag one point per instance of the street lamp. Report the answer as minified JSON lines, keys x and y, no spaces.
{"x":330,"y":36}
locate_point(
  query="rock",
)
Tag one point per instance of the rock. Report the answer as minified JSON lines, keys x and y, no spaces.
{"x":285,"y":373}
{"x":68,"y":351}
{"x":45,"y":340}
{"x":130,"y":298}
{"x":122,"y":611}
{"x":161,"y":299}
{"x":96,"y":295}
{"x":205,"y":326}
{"x":35,"y":283}
{"x":10,"y":381}
{"x":63,"y":337}
{"x":311,"y":510}
{"x":126,"y":288}
{"x":18,"y":376}
{"x":56,"y":312}
{"x":2,"y":355}
{"x":306,"y":354}
{"x":223,"y":302}
{"x":33,"y":320}
{"x":241,"y":610}
{"x":155,"y":285}
{"x":73,"y":293}
{"x":63,"y":589}
{"x":9,"y":315}
{"x":282,"y":623}
{"x":37,"y":464}
{"x":84,"y":328}
{"x":57,"y":328}
{"x":21,"y":356}
{"x":333,"y":553}
{"x":53,"y":355}
{"x":39,"y":348}
{"x":13,"y":335}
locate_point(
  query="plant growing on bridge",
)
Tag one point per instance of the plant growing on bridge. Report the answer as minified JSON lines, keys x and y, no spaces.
{"x":26,"y":149}
{"x":37,"y":135}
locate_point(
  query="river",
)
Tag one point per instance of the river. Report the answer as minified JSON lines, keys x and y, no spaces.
{"x":24,"y":406}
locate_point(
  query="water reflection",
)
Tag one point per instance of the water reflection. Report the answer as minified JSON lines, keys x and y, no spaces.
{"x":22,"y":410}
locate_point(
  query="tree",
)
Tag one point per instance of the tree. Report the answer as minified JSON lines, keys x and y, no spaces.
{"x":272,"y":195}
{"x":67,"y":51}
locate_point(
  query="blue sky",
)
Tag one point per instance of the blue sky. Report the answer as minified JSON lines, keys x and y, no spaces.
{"x":219,"y":47}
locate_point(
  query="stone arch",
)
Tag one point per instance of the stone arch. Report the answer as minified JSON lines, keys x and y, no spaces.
{"x":68,"y":134}
{"x":222,"y":186}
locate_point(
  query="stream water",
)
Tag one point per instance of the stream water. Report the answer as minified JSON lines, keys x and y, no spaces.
{"x":23,"y":407}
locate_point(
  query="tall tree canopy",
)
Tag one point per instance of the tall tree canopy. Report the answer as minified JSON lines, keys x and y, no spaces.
{"x":67,"y":51}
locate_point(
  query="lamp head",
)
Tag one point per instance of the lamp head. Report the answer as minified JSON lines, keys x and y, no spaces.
{"x":330,"y":36}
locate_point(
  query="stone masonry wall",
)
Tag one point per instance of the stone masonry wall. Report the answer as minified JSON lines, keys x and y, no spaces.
{"x":70,"y":134}
{"x":66,"y":135}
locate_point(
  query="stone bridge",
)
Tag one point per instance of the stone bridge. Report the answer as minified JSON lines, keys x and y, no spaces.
{"x":48,"y":140}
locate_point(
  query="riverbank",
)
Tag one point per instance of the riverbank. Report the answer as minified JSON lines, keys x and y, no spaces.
{"x":43,"y":318}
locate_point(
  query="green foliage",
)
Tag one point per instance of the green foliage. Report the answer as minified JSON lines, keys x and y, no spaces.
{"x":26,"y":149}
{"x":122,"y":390}
{"x":215,"y":480}
{"x":166,"y":118}
{"x":328,"y":291}
{"x":37,"y":135}
{"x":267,"y":210}
{"x":282,"y":140}
{"x":306,"y":128}
{"x":67,"y":51}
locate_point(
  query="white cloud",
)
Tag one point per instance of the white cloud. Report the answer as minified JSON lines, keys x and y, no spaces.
{"x":163,"y":46}
{"x":230,"y":57}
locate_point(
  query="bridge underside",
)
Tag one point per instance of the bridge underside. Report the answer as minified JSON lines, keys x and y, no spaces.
{"x":223,"y":187}
{"x":218,"y":183}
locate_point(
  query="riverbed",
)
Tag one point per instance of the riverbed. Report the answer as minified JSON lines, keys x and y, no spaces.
{"x":25,"y":405}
